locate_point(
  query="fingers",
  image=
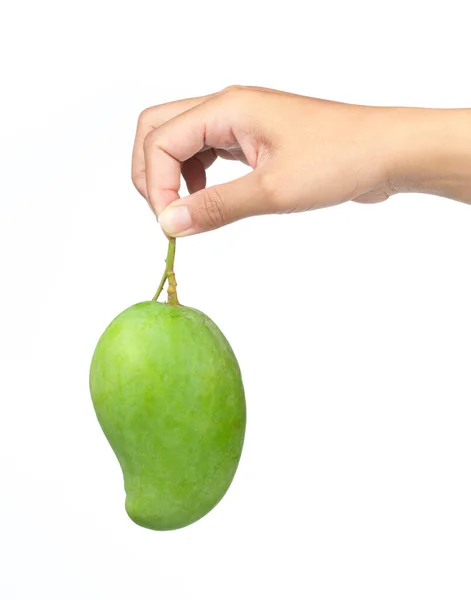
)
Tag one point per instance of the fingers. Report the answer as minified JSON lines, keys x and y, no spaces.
{"x":194,"y":170}
{"x":217,"y":206}
{"x":207,"y":125}
{"x":191,"y":135}
{"x":150,"y":119}
{"x":194,"y":174}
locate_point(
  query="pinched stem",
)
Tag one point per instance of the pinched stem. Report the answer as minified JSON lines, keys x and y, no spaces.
{"x":172,"y":297}
{"x":169,"y":276}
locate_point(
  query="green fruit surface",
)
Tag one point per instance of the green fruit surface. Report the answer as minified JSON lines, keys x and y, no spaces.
{"x":168,"y":394}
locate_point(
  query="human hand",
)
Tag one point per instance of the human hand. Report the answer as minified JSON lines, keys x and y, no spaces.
{"x":305,"y":153}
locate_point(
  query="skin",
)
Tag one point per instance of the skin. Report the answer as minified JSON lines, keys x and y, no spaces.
{"x":305,"y":153}
{"x":168,"y":394}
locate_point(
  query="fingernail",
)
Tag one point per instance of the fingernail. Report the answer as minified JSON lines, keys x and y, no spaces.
{"x":175,"y":219}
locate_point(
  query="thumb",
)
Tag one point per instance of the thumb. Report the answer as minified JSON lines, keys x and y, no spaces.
{"x":216,"y":206}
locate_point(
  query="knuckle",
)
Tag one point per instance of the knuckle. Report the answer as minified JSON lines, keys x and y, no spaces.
{"x":234,"y":91}
{"x":139,"y":184}
{"x":213,"y":208}
{"x":134,"y":177}
{"x":138,"y":178}
{"x":145,"y":116}
{"x":232,"y":88}
{"x":239,"y":95}
{"x":150,"y":140}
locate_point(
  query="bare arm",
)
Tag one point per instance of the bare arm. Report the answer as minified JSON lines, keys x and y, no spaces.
{"x":434,"y":152}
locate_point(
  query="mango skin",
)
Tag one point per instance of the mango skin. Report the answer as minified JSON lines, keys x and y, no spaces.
{"x":168,"y":394}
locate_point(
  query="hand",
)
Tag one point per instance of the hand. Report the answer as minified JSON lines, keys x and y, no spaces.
{"x":305,"y":153}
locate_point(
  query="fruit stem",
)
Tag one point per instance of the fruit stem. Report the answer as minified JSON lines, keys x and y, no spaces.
{"x":169,"y":276}
{"x":172,"y":297}
{"x":161,"y":286}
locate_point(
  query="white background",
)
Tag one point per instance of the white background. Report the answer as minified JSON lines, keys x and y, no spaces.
{"x":351,"y":324}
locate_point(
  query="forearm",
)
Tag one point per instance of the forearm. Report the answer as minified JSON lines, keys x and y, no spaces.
{"x":433,"y":152}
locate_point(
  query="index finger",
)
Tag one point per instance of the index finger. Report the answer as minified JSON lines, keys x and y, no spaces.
{"x":150,"y":119}
{"x":206,"y":125}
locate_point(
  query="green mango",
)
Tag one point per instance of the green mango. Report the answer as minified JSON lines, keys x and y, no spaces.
{"x":168,"y":394}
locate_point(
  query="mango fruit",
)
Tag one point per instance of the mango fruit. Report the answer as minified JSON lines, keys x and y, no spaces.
{"x":168,"y":394}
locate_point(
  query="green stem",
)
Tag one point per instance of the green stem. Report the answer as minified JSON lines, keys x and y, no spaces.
{"x":169,"y":276}
{"x":161,"y":286}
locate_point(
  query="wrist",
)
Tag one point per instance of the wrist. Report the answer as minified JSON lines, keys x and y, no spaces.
{"x":431,"y":152}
